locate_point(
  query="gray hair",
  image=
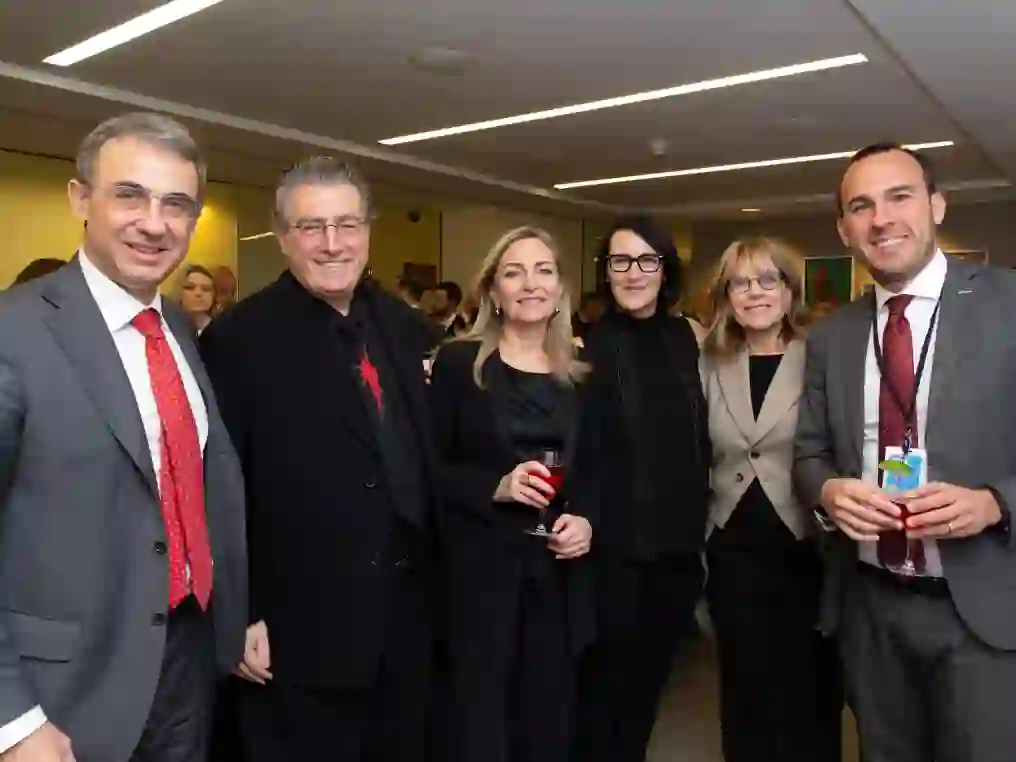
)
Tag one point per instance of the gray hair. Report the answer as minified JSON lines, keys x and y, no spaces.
{"x":153,"y":129}
{"x":319,"y":170}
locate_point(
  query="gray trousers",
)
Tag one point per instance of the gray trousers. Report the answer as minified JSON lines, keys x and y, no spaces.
{"x":923,"y":687}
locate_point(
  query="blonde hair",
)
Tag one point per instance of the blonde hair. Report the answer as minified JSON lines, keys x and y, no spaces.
{"x":726,"y":336}
{"x":487,"y":329}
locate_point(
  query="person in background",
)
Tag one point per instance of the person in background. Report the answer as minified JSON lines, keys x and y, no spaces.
{"x":764,"y":568}
{"x":410,"y":292}
{"x":225,"y":289}
{"x":334,"y":439}
{"x":519,"y":606}
{"x":120,"y":489}
{"x":448,"y":298}
{"x":648,"y":413}
{"x":197,"y":296}
{"x":919,"y":584}
{"x":590,"y":310}
{"x":37,"y":268}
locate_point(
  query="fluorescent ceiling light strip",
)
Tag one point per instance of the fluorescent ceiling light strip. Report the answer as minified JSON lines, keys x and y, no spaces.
{"x":129,"y":30}
{"x":255,"y":237}
{"x":627,"y":100}
{"x":736,"y":167}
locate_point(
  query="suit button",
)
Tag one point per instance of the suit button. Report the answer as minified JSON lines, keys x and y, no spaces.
{"x":159,"y":619}
{"x":160,"y":548}
{"x":738,"y":477}
{"x":754,"y":454}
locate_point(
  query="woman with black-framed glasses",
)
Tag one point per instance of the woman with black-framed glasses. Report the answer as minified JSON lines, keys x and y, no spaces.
{"x":649,"y":418}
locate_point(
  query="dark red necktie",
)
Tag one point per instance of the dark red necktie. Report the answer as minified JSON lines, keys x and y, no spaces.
{"x":897,"y":376}
{"x":181,"y":473}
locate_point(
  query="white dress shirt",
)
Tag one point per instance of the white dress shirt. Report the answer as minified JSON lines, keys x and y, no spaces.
{"x":118,"y":309}
{"x":926,"y":289}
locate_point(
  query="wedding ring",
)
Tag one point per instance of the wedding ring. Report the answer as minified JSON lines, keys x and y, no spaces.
{"x":949,"y":527}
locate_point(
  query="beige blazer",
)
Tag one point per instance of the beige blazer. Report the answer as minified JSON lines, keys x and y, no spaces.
{"x":745,"y":449}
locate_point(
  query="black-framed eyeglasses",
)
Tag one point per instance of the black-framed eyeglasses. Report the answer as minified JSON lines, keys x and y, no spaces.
{"x":621,"y":263}
{"x":767,"y":281}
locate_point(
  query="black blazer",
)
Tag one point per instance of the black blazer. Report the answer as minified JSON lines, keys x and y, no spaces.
{"x":320,"y":520}
{"x":483,"y":542}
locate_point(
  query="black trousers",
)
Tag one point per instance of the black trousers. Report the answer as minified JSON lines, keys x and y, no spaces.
{"x":645,"y":609}
{"x":512,"y":684}
{"x":383,"y":722}
{"x":781,"y":695}
{"x":922,"y":685}
{"x":179,"y":724}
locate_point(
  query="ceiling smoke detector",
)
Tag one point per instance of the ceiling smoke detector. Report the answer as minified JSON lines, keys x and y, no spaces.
{"x":440,"y":60}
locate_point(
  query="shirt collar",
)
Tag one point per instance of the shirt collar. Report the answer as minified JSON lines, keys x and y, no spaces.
{"x":926,"y":285}
{"x":117,"y":306}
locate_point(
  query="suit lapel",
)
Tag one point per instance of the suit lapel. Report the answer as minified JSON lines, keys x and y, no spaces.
{"x":853,"y":356}
{"x":735,"y":384}
{"x":958,"y":324}
{"x":784,"y":391}
{"x":81,"y":332}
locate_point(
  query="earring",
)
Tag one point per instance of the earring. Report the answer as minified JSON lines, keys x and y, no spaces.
{"x":557,"y":311}
{"x":497,"y":312}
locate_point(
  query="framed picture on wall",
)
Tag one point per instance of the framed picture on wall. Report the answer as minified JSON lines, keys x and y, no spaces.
{"x":424,"y":275}
{"x":976,"y":256}
{"x":828,"y":281}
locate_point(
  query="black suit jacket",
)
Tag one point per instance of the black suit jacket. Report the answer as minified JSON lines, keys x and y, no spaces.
{"x":321,"y":521}
{"x":483,"y":542}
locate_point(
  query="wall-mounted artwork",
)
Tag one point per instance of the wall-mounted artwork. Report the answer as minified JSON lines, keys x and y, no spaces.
{"x":828,"y":281}
{"x":975,"y":256}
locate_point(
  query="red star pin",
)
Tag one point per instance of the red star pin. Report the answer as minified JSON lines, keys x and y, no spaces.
{"x":371,"y":378}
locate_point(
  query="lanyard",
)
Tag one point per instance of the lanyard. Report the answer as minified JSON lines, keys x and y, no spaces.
{"x":908,"y":410}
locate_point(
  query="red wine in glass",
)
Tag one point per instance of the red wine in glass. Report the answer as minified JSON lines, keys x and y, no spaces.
{"x":551,"y":460}
{"x":899,"y":551}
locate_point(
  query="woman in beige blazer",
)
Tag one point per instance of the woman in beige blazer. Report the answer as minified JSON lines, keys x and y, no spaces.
{"x":781,"y":699}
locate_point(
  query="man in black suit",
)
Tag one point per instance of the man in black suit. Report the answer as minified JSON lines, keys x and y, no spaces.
{"x":321,"y":385}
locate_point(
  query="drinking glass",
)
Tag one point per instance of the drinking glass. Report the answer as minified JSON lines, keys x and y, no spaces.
{"x":551,"y":459}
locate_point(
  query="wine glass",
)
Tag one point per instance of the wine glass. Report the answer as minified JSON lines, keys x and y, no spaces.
{"x":551,"y":459}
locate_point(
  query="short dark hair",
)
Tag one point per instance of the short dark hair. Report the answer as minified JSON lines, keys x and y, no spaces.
{"x":453,"y":290}
{"x":887,"y":147}
{"x":37,"y":268}
{"x":200,"y":270}
{"x":650,"y":231}
{"x":413,"y":288}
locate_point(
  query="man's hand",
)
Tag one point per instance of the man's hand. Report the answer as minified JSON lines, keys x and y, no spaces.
{"x":859,"y":509}
{"x":572,"y":536}
{"x":945,"y":511}
{"x":47,"y":744}
{"x":257,"y":658}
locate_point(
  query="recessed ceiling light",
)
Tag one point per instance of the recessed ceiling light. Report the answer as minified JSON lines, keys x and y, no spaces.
{"x":129,"y":30}
{"x":751,"y":210}
{"x":736,"y":167}
{"x":627,"y":100}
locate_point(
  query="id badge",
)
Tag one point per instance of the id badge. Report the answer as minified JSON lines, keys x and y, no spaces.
{"x":896,"y":481}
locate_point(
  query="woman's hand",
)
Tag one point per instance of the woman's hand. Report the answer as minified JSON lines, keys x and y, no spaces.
{"x":525,"y":484}
{"x":573,"y":536}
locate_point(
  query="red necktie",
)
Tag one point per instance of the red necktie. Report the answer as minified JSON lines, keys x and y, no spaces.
{"x":897,"y":376}
{"x":181,"y":473}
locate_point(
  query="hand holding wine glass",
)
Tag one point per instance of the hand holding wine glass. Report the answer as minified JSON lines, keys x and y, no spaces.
{"x":527,"y":483}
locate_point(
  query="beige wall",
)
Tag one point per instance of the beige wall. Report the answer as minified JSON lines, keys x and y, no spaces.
{"x":469,"y":231}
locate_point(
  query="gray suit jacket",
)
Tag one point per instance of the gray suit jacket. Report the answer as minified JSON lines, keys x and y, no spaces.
{"x":971,"y":433}
{"x":745,"y":449}
{"x":83,"y":590}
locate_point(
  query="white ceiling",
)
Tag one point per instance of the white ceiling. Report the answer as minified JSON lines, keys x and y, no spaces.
{"x":337,"y":75}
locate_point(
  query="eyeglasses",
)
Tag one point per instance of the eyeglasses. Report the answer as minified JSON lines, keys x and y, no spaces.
{"x":767,"y":281}
{"x":621,"y":263}
{"x":345,"y":227}
{"x":131,"y":198}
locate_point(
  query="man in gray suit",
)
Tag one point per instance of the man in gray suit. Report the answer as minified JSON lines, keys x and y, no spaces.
{"x":123,"y":560}
{"x":923,"y":599}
